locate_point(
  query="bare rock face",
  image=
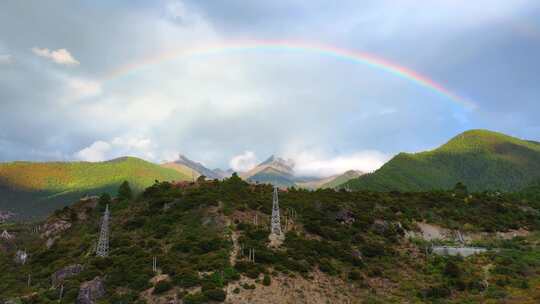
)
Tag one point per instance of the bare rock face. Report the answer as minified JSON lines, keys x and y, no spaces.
{"x":53,"y":228}
{"x":91,"y":291}
{"x":66,"y":272}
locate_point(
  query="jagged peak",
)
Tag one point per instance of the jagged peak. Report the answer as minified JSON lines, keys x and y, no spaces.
{"x":269,"y":160}
{"x":275,"y":160}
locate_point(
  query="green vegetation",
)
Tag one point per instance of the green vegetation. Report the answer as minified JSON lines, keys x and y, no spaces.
{"x":273,"y":176}
{"x":34,"y":189}
{"x":124,"y":192}
{"x":482,"y":160}
{"x":187,"y":229}
{"x":342,"y":179}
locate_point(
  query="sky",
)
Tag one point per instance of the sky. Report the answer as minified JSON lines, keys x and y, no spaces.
{"x":96,"y":80}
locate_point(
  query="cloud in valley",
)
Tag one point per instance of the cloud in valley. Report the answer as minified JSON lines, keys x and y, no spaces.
{"x":244,"y":162}
{"x":308,"y":164}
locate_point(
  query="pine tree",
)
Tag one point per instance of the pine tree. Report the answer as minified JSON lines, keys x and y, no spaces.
{"x":124,"y":192}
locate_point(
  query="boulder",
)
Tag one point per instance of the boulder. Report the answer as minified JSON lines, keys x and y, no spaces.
{"x":91,"y":291}
{"x":6,"y":235}
{"x":357,"y":254}
{"x":21,"y":257}
{"x":380,"y":226}
{"x":59,"y":276}
{"x":345,"y":217}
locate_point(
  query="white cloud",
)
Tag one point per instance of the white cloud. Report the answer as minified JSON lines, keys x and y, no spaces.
{"x":95,"y":152}
{"x":60,"y":56}
{"x":177,"y":10}
{"x":118,"y":147}
{"x":311,"y":164}
{"x":6,"y":59}
{"x":83,"y":88}
{"x":244,"y":162}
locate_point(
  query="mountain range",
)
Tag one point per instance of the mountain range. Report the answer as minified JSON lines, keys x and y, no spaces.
{"x":280,"y":172}
{"x":481,"y":159}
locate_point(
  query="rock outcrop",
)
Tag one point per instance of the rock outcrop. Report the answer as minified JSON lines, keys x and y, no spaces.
{"x":59,"y":276}
{"x":53,"y":228}
{"x":91,"y":291}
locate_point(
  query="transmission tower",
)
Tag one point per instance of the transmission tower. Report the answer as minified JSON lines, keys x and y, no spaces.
{"x":102,"y":249}
{"x":276,"y":223}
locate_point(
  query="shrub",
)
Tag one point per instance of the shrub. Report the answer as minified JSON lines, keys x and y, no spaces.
{"x":187,"y":279}
{"x":267,"y":281}
{"x":216,"y":295}
{"x":355,"y":275}
{"x":373,"y":249}
{"x":162,"y":286}
{"x":326,"y":265}
{"x":437,"y":292}
{"x":452,"y":269}
{"x":197,"y":298}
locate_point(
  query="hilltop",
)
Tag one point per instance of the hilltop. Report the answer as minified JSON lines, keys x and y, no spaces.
{"x":34,"y":189}
{"x":340,"y":247}
{"x":481,"y":159}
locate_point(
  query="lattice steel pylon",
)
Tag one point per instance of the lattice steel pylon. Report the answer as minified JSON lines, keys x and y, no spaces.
{"x":276,"y":222}
{"x":102,"y":249}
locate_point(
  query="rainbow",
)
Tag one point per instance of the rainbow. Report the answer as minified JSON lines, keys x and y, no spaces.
{"x":288,"y":46}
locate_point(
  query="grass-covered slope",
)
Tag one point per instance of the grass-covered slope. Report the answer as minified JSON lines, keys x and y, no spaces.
{"x":481,"y":159}
{"x":182,"y":169}
{"x":32,"y":189}
{"x":342,"y":179}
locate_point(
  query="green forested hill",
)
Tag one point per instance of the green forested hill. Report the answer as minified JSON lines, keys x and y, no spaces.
{"x":33,"y":189}
{"x":339,"y":246}
{"x":479,"y":158}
